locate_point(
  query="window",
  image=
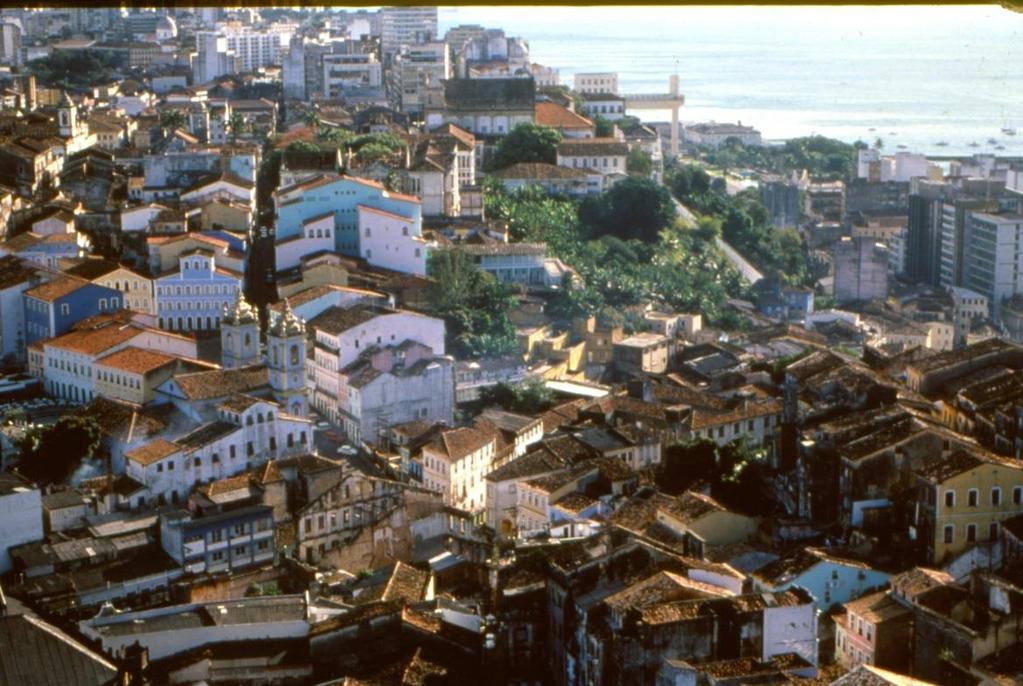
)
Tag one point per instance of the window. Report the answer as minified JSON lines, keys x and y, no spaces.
{"x":159,"y":467}
{"x":949,"y":534}
{"x":996,"y":496}
{"x":65,"y":309}
{"x":971,"y":533}
{"x":1017,"y":495}
{"x":950,"y":498}
{"x":217,"y":536}
{"x":249,"y":450}
{"x":231,"y":451}
{"x":972,"y":496}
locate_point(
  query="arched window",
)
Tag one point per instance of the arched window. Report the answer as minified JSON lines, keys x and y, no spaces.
{"x":294,"y":353}
{"x":248,"y":339}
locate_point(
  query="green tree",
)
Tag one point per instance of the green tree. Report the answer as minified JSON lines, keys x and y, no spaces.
{"x":50,"y":454}
{"x":527,"y":143}
{"x":311,"y":118}
{"x":173,"y":119}
{"x":302,"y":146}
{"x":603,"y":127}
{"x":373,"y":152}
{"x":530,"y":397}
{"x":236,"y":124}
{"x":639,"y":162}
{"x":335,"y":135}
{"x":473,"y":305}
{"x":632,"y":208}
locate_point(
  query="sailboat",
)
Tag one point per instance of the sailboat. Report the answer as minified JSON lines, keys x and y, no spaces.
{"x":1008,"y":131}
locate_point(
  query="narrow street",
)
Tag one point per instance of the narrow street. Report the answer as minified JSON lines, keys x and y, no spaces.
{"x":748,"y":271}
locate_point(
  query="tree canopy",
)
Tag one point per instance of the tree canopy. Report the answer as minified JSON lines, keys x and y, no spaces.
{"x":527,"y":143}
{"x":530,"y":397}
{"x":50,"y":454}
{"x":678,"y":269}
{"x":473,"y":305}
{"x":76,"y":70}
{"x":631,"y":208}
{"x":639,"y":162}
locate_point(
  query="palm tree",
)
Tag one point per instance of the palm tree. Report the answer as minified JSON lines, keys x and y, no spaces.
{"x":311,"y":119}
{"x":878,"y":143}
{"x":236,"y":124}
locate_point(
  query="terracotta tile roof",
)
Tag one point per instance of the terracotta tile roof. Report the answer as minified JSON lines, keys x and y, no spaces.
{"x":268,"y":473}
{"x":222,"y":382}
{"x":58,"y":288}
{"x":335,"y":320}
{"x":94,"y":341}
{"x":457,"y":443}
{"x":701,"y":418}
{"x":241,"y":402}
{"x":136,"y":360}
{"x":558,"y":117}
{"x":384,"y":213}
{"x":228,"y":485}
{"x":877,"y":607}
{"x":691,"y":506}
{"x":406,"y":584}
{"x":152,"y":452}
{"x":539,"y":170}
{"x":582,"y":147}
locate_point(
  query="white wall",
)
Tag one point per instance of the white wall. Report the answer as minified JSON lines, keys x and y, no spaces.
{"x":391,"y":241}
{"x":21,"y":521}
{"x":791,"y":629}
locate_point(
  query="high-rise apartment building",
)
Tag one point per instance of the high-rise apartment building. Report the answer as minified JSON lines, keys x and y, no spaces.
{"x":993,"y":256}
{"x":861,"y":270}
{"x":405,"y":26}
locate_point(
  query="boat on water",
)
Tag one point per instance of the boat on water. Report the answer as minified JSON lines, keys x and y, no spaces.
{"x":941,"y":144}
{"x":991,"y":141}
{"x":871,"y":129}
{"x":974,"y":144}
{"x":901,"y":147}
{"x":999,"y":147}
{"x":1009,"y":131}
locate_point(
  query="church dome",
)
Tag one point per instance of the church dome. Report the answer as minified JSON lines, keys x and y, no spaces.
{"x":287,"y":323}
{"x":241,"y":313}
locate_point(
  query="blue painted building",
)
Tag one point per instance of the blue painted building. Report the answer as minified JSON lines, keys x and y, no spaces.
{"x":221,"y":542}
{"x":341,"y":195}
{"x":831,"y":580}
{"x":52,"y":308}
{"x":783,"y":302}
{"x":194,"y":296}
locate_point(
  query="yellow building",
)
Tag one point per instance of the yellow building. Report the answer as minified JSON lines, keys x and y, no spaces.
{"x":132,"y":374}
{"x":704,"y":523}
{"x":961,"y":499}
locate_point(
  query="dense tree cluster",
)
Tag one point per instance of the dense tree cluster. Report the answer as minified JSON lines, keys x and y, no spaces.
{"x":744,"y":223}
{"x":50,"y":454}
{"x":76,"y":70}
{"x":526,"y":143}
{"x":672,"y":265}
{"x":473,"y":305}
{"x":531,"y":397}
{"x":822,"y":157}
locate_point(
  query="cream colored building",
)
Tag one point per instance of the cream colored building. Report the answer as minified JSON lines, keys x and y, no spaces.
{"x":455,"y":464}
{"x":132,"y":374}
{"x":137,"y":289}
{"x":962,"y":499}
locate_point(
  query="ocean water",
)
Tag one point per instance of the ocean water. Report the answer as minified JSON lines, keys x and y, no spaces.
{"x":912,"y":76}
